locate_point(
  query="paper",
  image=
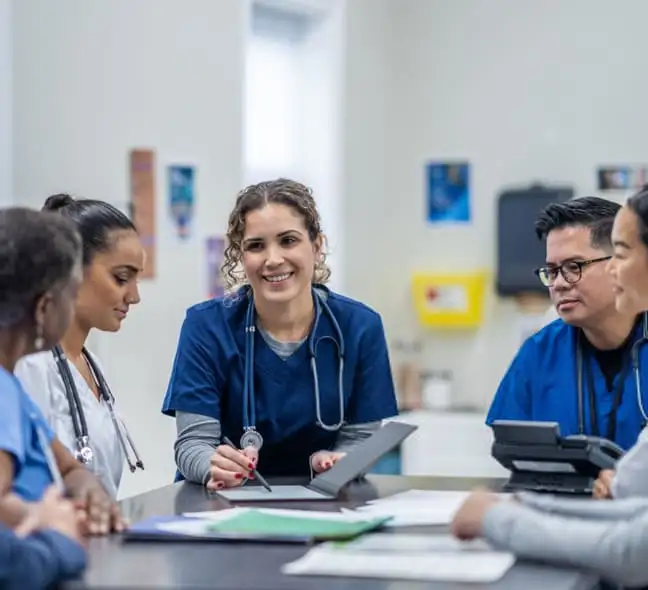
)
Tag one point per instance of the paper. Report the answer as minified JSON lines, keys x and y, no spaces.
{"x":273,"y":524}
{"x":448,"y":192}
{"x":142,"y":204}
{"x":351,"y":516}
{"x":406,"y":543}
{"x":417,"y":507}
{"x":259,"y":493}
{"x":449,"y":566}
{"x":215,"y":248}
{"x":181,"y":198}
{"x":296,"y":525}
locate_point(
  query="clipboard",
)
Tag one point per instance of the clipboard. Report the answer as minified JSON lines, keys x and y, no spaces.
{"x":327,"y":485}
{"x":148,"y":531}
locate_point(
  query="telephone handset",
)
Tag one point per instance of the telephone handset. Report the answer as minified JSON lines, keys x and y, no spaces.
{"x":606,"y":446}
{"x":542,"y":460}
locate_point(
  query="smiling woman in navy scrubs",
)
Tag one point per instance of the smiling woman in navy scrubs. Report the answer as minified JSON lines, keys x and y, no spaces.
{"x":275,"y":269}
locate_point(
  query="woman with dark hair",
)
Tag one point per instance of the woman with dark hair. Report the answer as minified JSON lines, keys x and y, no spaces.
{"x":67,"y":382}
{"x":293,"y":372}
{"x":40,"y":273}
{"x":39,"y":276}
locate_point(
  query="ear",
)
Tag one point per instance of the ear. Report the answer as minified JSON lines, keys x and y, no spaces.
{"x":41,"y":308}
{"x":318,"y":245}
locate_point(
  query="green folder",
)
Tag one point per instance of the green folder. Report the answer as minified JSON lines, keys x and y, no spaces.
{"x":254,"y":522}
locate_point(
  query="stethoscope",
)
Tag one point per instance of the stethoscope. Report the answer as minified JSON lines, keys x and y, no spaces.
{"x":634,"y":361}
{"x":84,"y":453}
{"x":251,"y":436}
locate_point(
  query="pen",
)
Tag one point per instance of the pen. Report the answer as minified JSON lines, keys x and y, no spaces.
{"x":264,"y":483}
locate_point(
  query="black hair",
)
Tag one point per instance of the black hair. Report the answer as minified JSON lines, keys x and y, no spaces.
{"x":638,"y":203}
{"x":38,"y":251}
{"x":94,"y":220}
{"x":595,"y":213}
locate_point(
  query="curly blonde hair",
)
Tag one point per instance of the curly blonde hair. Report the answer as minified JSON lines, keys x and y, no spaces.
{"x":281,"y":191}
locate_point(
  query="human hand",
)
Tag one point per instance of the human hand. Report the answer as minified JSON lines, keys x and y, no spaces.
{"x":324,"y":460}
{"x":231,"y":467}
{"x":603,"y":484}
{"x":52,"y":512}
{"x":467,"y":522}
{"x":97,"y":512}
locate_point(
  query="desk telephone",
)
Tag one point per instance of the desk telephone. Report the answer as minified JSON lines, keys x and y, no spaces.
{"x":541,"y":460}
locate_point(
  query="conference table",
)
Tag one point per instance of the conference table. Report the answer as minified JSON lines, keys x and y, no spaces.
{"x":115,"y":564}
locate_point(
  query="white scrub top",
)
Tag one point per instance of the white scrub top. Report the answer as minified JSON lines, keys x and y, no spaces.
{"x":40,"y":377}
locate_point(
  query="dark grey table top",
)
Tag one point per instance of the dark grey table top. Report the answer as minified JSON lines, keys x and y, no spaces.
{"x":250,"y":566}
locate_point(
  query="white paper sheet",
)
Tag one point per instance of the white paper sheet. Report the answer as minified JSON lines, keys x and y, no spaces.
{"x":460,"y":566}
{"x":217,"y":515}
{"x":259,"y":493}
{"x":416,"y":507}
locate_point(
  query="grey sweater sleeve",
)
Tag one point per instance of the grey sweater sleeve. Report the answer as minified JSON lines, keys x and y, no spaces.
{"x":585,"y":508}
{"x":615,"y":550}
{"x":631,"y":477}
{"x":197,"y":438}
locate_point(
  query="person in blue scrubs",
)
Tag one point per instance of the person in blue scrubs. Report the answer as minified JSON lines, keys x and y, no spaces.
{"x":276,"y":308}
{"x":40,"y":262}
{"x":590,"y":343}
{"x":44,"y":550}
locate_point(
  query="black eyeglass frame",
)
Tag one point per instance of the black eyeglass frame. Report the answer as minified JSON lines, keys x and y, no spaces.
{"x":576,"y":270}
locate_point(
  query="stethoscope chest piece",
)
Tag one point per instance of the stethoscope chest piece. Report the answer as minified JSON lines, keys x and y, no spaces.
{"x":251,"y":438}
{"x":84,"y":455}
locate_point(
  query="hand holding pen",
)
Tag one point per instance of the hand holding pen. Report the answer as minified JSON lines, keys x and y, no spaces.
{"x":231,"y":467}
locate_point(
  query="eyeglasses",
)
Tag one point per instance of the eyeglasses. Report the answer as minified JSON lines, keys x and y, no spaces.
{"x":571,"y":271}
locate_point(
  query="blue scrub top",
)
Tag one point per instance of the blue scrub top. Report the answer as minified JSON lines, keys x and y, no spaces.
{"x":22,"y":425}
{"x":541,"y":385}
{"x":207,"y":379}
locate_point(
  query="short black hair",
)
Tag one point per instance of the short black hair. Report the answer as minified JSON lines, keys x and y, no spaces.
{"x":38,"y":251}
{"x":595,"y":213}
{"x":638,"y":203}
{"x":94,"y":220}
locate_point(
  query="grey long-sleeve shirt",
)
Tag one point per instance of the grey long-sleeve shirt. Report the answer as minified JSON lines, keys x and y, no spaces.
{"x":631,"y":477}
{"x":198,"y":436}
{"x":608,"y":538}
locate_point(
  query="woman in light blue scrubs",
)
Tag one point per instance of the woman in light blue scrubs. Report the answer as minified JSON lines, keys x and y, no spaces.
{"x":244,"y":368}
{"x":40,"y":272}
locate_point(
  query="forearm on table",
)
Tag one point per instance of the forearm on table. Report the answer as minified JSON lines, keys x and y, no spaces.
{"x":197,"y":438}
{"x":79,"y":481}
{"x":614,"y":550}
{"x":352,"y":434}
{"x":585,"y":508}
{"x":13,"y":510}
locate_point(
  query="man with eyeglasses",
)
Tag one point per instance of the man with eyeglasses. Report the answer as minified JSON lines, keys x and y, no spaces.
{"x":577,"y":370}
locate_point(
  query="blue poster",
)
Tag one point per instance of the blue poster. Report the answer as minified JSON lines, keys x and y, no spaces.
{"x":181,"y":198}
{"x":448,"y":192}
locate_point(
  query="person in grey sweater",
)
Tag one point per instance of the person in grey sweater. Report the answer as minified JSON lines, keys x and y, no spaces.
{"x":609,"y":539}
{"x":629,"y":270}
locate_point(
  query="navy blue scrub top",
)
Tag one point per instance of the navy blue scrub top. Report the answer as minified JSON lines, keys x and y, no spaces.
{"x":207,"y":379}
{"x":541,"y":385}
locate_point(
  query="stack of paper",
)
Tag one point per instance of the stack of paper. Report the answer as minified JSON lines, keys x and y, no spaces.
{"x":269,"y":524}
{"x":416,"y":507}
{"x":405,"y":557}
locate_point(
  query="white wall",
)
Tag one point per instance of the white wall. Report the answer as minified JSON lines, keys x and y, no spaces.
{"x":526,"y":91}
{"x":6,"y":166}
{"x":94,"y":79}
